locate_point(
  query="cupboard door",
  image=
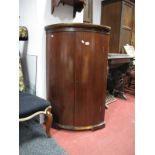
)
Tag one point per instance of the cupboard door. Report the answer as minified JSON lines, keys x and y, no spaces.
{"x":60,"y":74}
{"x":126,"y":25}
{"x":118,"y":14}
{"x":125,"y":38}
{"x":127,"y":15}
{"x":111,"y":16}
{"x":90,"y":74}
{"x":133,"y":29}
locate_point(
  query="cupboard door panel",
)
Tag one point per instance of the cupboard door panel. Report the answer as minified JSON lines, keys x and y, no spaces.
{"x":110,"y":15}
{"x":61,"y":75}
{"x":90,"y":73}
{"x":127,"y":14}
{"x":125,"y":38}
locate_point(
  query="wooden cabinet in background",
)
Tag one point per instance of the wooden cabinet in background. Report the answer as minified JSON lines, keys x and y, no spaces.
{"x":76,"y":74}
{"x":119,"y":15}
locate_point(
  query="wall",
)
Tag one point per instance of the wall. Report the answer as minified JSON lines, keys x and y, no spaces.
{"x":97,"y":11}
{"x":28,"y":14}
{"x":36,"y":14}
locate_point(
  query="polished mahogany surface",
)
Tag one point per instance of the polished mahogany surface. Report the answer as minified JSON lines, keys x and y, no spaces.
{"x":76,"y":74}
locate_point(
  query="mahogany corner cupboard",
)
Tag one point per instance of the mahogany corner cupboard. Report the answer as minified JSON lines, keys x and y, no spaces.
{"x":76,"y":71}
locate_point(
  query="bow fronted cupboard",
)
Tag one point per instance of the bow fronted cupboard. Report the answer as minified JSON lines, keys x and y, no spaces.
{"x":76,"y":66}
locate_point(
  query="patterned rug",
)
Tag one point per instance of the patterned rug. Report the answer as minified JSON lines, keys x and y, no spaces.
{"x":33,"y":140}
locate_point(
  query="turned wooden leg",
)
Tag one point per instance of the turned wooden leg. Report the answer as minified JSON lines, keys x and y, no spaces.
{"x":48,"y":122}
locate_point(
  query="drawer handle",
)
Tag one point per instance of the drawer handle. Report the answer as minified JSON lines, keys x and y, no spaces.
{"x":87,"y":43}
{"x":52,"y":35}
{"x":82,"y":41}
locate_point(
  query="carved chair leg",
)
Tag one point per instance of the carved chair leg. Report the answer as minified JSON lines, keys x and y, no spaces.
{"x":48,"y":122}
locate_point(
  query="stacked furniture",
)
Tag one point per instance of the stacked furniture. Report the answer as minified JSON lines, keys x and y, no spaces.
{"x":120,"y":16}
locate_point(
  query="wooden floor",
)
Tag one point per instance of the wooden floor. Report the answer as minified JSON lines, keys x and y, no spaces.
{"x":117,"y":138}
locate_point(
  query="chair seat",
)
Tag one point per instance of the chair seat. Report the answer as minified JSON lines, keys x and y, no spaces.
{"x":29,"y":104}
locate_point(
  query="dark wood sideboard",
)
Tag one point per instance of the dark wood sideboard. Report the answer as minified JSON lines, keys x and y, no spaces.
{"x":118,"y":65}
{"x":76,"y":64}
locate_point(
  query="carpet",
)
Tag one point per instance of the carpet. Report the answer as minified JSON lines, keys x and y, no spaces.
{"x":34,"y":141}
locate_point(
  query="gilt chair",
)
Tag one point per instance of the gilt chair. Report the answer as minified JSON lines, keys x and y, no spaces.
{"x":30,"y":105}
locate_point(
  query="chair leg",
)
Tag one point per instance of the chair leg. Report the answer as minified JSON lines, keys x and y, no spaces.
{"x":48,"y":122}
